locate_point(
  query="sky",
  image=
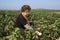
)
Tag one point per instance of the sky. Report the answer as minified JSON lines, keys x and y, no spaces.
{"x":35,"y":4}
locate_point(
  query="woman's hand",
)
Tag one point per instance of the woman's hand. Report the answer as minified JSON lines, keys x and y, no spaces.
{"x":38,"y":33}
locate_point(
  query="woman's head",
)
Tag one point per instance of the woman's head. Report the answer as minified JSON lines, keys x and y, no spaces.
{"x":25,"y":9}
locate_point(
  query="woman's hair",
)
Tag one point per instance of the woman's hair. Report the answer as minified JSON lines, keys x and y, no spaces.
{"x":25,"y":7}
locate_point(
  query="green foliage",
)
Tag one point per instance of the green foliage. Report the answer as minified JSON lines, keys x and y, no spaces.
{"x":46,"y":22}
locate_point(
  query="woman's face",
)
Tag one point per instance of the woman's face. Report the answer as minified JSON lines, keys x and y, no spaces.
{"x":26,"y":13}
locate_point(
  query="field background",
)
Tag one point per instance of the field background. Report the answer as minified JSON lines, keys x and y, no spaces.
{"x":45,"y":21}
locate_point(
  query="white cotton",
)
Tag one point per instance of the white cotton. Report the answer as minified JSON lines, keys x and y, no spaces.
{"x":39,"y":33}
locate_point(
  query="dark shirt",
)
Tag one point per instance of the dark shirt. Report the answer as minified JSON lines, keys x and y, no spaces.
{"x":20,"y":22}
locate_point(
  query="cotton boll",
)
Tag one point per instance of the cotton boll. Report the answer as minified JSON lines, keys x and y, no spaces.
{"x":39,"y":33}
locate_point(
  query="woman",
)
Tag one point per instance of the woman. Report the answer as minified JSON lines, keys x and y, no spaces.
{"x":22,"y":20}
